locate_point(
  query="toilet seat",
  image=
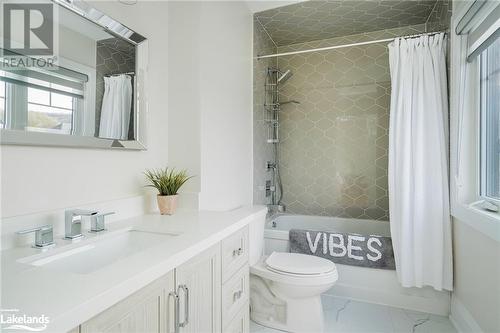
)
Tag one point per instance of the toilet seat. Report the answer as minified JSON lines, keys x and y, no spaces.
{"x":263,"y":270}
{"x":299,"y":264}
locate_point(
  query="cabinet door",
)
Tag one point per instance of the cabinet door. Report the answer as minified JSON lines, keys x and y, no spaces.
{"x":199,"y":306}
{"x":148,"y":310}
{"x":240,"y":323}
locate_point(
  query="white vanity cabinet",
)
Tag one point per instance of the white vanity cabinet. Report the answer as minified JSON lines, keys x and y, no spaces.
{"x":145,"y":311}
{"x":235,"y":282}
{"x":198,"y":284}
{"x":207,"y":294}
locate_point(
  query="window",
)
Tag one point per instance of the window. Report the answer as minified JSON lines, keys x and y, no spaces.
{"x":475,"y":116}
{"x":42,"y":100}
{"x":490,"y":122}
{"x":50,"y":111}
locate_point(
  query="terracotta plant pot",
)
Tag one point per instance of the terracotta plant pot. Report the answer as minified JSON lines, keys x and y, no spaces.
{"x":167,"y":204}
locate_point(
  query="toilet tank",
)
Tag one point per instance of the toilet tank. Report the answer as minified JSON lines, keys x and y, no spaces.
{"x":256,"y":238}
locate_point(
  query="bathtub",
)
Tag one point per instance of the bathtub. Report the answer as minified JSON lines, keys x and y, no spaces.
{"x":358,"y":283}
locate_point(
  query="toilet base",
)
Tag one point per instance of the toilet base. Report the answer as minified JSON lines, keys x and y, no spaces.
{"x":301,"y":316}
{"x":297,"y":315}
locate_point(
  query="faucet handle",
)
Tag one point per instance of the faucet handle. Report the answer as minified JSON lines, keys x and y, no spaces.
{"x":97,"y":222}
{"x":44,"y":236}
{"x":81,"y":212}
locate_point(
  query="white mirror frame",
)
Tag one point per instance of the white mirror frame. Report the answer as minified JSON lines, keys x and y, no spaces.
{"x":25,"y":138}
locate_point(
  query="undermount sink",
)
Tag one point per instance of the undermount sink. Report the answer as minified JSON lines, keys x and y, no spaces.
{"x":95,"y":254}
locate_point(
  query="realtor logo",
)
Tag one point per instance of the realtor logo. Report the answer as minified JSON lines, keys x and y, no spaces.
{"x":29,"y":28}
{"x":29,"y":35}
{"x":13,"y":319}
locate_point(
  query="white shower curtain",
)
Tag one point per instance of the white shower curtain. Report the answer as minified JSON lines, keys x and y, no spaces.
{"x":116,"y":107}
{"x":418,"y":162}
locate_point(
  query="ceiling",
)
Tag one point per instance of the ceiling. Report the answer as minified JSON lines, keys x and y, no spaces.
{"x":323,"y":19}
{"x":262,"y":5}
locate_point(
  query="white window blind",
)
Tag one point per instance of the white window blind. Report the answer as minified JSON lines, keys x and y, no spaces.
{"x":481,"y":24}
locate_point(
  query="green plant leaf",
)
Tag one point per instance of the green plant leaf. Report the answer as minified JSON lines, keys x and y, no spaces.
{"x":166,"y":181}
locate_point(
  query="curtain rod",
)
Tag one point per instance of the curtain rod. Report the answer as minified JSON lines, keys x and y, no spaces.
{"x":346,"y":45}
{"x":116,"y":74}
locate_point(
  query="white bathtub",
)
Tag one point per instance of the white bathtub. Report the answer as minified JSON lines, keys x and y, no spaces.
{"x":358,"y":283}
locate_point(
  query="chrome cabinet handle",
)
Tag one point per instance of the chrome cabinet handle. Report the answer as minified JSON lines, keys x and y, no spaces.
{"x":185,"y":289}
{"x":176,"y":310}
{"x":237,"y":295}
{"x":238,"y":252}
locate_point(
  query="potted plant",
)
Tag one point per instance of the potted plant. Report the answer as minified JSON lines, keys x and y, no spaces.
{"x":167,"y":182}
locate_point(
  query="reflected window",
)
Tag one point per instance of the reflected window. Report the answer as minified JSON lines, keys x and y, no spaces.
{"x":50,"y":111}
{"x":43,"y":101}
{"x":2,"y":104}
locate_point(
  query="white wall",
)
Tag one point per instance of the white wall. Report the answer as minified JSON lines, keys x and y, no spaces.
{"x":184,"y":90}
{"x":210,"y":98}
{"x":35,"y":179}
{"x":226,"y":105}
{"x":206,"y":93}
{"x":477,"y":275}
{"x":77,"y":47}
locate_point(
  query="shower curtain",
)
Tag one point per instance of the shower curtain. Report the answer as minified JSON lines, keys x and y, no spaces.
{"x":116,"y":107}
{"x":418,"y":162}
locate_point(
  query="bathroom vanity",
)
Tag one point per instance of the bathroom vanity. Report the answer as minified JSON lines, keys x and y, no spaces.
{"x":196,"y":279}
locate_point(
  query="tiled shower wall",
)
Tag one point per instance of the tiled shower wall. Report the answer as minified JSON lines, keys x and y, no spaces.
{"x":262,"y":151}
{"x":334,"y":144}
{"x":333,"y":150}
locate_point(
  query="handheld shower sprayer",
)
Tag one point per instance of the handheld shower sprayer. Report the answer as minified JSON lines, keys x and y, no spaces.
{"x":285,"y":76}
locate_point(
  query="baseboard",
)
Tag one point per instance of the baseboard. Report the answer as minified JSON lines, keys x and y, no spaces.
{"x":462,"y":319}
{"x":381,"y":286}
{"x":438,"y":304}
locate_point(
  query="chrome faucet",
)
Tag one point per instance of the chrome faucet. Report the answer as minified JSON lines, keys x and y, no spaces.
{"x":73,"y":222}
{"x":44,"y":236}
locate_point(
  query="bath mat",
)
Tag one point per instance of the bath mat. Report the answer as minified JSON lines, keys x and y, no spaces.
{"x":344,"y":248}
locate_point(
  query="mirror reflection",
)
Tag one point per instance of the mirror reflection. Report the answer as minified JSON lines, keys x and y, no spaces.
{"x":91,"y":93}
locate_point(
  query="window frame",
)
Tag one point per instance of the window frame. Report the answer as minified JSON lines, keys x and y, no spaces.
{"x":4,"y":107}
{"x":467,"y":206}
{"x":482,"y":140}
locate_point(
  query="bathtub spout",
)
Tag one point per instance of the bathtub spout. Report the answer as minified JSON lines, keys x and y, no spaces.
{"x":276,"y":208}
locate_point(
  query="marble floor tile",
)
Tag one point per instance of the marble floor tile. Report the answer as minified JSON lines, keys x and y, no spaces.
{"x":343,"y":315}
{"x":256,"y":328}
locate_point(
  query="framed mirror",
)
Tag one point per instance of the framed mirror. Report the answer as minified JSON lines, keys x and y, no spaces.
{"x":94,"y":97}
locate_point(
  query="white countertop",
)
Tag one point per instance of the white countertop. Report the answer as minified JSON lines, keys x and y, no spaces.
{"x":69,"y":299}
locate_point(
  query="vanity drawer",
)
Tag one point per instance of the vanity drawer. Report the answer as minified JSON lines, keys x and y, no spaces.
{"x":240,"y":323}
{"x":234,"y":253}
{"x":235,"y":294}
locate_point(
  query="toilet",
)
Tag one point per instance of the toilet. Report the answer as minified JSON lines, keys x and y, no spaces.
{"x":286,"y":288}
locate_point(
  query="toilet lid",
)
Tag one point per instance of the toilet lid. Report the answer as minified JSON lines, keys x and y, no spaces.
{"x":296,"y":263}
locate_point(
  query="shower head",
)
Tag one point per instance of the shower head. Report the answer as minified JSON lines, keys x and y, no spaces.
{"x":284,"y":76}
